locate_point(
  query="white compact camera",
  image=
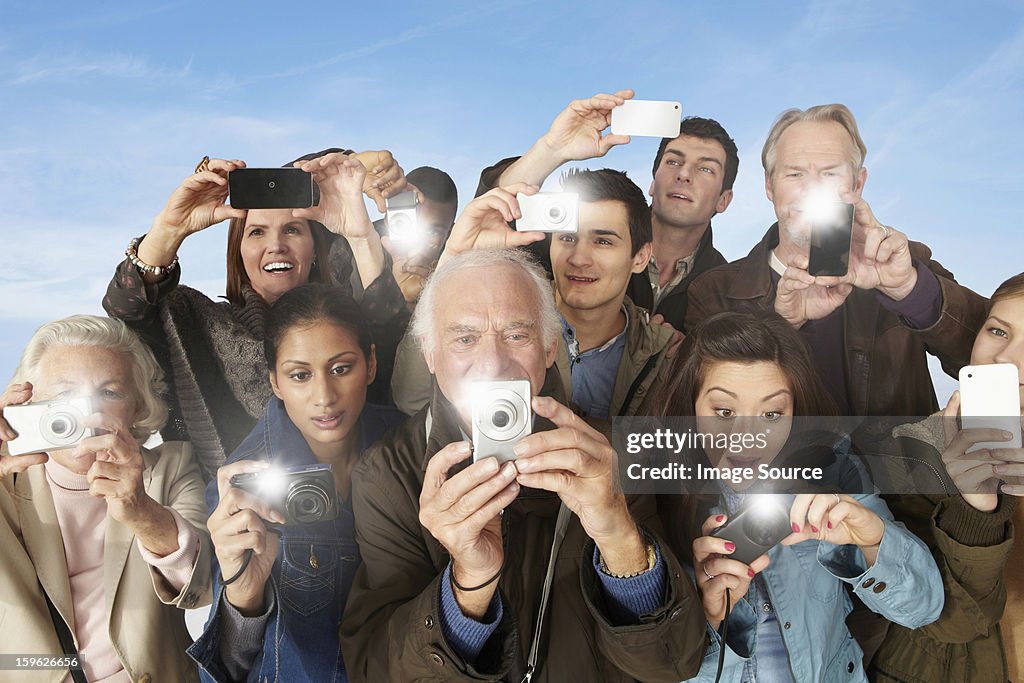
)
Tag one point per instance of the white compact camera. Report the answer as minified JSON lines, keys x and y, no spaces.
{"x":401,"y":217}
{"x":48,"y":425}
{"x":501,"y":417}
{"x":549,"y":212}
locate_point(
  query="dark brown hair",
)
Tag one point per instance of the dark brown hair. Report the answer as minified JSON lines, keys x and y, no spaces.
{"x":706,"y":129}
{"x":742,"y":338}
{"x":610,"y":185}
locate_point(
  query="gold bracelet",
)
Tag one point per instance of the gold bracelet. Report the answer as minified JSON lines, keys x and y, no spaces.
{"x":652,"y":559}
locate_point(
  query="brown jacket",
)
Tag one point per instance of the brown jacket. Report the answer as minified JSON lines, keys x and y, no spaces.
{"x":886,"y":363}
{"x":392,"y":629}
{"x":970,"y":548}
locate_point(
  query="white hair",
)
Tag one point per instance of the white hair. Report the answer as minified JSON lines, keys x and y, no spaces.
{"x":422,"y":324}
{"x":145,"y":376}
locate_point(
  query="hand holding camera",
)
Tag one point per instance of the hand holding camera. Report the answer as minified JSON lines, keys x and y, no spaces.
{"x":716,"y":568}
{"x":462,"y":513}
{"x":340,"y":209}
{"x":483,"y":224}
{"x":198,"y":202}
{"x":836,"y":518}
{"x":238,"y":528}
{"x":978,"y":473}
{"x":879,"y":255}
{"x":9,"y":464}
{"x":800,"y":296}
{"x":577,"y":462}
{"x":384,"y":177}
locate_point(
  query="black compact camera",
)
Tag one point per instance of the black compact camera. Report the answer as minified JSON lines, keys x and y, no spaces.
{"x":272,"y":188}
{"x":304,"y":494}
{"x":758,"y":527}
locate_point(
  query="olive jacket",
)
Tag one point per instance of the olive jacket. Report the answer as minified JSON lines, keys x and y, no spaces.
{"x":392,"y":629}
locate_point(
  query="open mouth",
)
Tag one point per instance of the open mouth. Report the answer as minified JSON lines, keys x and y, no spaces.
{"x":331,"y":421}
{"x":677,"y":195}
{"x":278,"y":267}
{"x":742,"y":462}
{"x":580,"y":279}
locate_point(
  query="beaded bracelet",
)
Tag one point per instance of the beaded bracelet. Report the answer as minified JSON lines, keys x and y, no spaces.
{"x":133,"y":255}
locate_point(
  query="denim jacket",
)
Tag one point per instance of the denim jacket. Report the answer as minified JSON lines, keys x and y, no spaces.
{"x":805,"y":584}
{"x":312,"y":575}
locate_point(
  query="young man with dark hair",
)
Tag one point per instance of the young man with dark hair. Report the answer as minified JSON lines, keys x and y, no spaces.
{"x":693,"y":177}
{"x":611,"y":352}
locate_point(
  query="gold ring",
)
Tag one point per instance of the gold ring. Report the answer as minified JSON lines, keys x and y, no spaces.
{"x":705,"y":569}
{"x":203,"y":165}
{"x":885,"y":231}
{"x":838,"y":499}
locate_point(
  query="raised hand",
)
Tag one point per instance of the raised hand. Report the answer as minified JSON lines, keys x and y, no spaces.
{"x":15,"y":464}
{"x":198,"y":202}
{"x":483,"y":224}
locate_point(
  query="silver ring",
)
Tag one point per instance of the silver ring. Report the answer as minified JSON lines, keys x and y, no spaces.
{"x":705,"y":570}
{"x":838,"y":499}
{"x":885,"y":231}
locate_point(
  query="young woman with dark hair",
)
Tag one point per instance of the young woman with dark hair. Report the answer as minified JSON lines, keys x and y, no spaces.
{"x":280,"y":591}
{"x":740,"y":372}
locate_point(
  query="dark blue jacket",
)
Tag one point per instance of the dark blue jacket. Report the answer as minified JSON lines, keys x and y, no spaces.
{"x":313,"y":572}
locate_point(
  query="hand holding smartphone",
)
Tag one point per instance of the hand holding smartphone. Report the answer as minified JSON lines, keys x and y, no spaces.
{"x":990,"y":399}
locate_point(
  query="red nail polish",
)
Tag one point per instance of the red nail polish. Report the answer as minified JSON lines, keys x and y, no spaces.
{"x":814,"y":528}
{"x":830,"y":525}
{"x":719,"y":518}
{"x":730,"y":546}
{"x":796,"y":528}
{"x":750,"y":573}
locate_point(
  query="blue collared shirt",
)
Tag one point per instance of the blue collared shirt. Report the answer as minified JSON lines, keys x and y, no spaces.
{"x":593,"y":371}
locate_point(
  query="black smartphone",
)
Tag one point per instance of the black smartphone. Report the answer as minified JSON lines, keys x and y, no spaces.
{"x":830,"y":242}
{"x":272,"y":188}
{"x":756,"y":528}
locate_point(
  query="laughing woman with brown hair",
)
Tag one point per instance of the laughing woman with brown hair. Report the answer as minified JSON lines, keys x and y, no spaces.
{"x":213,"y":351}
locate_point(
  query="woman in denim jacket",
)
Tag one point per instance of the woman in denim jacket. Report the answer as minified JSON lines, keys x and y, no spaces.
{"x":742,"y":373}
{"x":281,"y":587}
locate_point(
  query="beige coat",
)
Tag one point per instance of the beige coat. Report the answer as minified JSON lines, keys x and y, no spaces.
{"x":145,"y":624}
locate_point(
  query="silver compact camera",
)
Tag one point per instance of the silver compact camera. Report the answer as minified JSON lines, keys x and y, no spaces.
{"x":400,"y":216}
{"x":305,"y":494}
{"x":549,"y":212}
{"x":48,"y":425}
{"x":501,"y":417}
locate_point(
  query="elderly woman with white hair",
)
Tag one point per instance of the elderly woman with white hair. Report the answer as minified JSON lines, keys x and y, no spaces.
{"x":104,"y":540}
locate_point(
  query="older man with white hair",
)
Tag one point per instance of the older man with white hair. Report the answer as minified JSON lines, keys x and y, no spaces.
{"x":536,"y":568}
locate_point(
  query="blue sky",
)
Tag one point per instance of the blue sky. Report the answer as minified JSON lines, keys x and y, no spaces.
{"x":109,"y":105}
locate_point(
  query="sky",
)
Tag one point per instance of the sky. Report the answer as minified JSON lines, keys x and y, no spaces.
{"x":108,"y":105}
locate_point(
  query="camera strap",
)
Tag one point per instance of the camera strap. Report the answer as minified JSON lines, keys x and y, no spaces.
{"x":561,"y":525}
{"x":67,"y":642}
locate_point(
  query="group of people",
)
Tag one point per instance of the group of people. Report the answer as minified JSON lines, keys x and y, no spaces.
{"x":337,"y":345}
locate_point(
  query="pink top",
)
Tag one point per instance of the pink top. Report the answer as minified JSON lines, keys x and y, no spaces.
{"x":83,"y":523}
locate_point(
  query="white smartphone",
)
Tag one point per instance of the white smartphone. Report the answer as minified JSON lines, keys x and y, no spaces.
{"x":652,"y":118}
{"x":990,"y":399}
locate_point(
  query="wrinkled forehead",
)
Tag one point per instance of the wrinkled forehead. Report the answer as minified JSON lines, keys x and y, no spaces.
{"x":807,"y":141}
{"x":493,"y":297}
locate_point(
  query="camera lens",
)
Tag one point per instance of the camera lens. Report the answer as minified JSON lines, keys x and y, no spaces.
{"x":500,"y":419}
{"x":556,"y":213}
{"x":60,"y":426}
{"x":272,"y":184}
{"x":764,"y":528}
{"x":307,"y":504}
